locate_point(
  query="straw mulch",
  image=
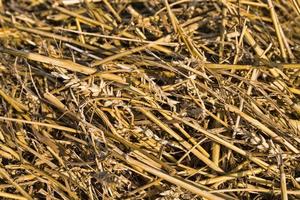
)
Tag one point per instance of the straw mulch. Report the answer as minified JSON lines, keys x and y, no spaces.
{"x":149,"y":99}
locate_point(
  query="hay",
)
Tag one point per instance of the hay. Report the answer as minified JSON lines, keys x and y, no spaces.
{"x":149,"y":99}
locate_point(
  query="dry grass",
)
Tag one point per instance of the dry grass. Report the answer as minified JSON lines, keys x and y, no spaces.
{"x":149,"y":99}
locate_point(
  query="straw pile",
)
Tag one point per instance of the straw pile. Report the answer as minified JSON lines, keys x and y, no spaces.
{"x":149,"y":99}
